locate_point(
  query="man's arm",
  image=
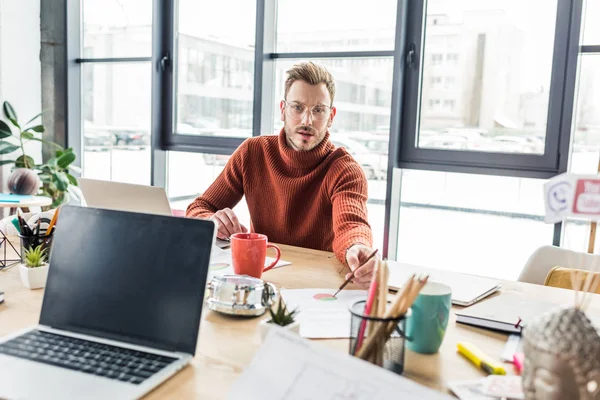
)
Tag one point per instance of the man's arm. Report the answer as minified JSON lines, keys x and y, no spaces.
{"x":349,"y":199}
{"x":226,"y":191}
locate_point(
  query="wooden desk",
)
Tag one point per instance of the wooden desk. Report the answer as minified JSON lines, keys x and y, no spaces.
{"x":226,"y":345}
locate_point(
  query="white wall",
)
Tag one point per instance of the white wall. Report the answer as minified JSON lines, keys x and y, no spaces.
{"x":20,"y":67}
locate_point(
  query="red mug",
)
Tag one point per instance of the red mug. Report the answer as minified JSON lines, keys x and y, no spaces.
{"x":249,"y":252}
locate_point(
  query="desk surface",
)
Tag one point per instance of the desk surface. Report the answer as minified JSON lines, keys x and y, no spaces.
{"x":226,"y":345}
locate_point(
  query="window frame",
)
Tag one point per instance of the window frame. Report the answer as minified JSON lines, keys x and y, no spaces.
{"x":555,"y":157}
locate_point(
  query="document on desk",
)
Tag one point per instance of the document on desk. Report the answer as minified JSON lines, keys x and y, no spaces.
{"x":221,"y":264}
{"x":287,"y":367}
{"x":322,"y":316}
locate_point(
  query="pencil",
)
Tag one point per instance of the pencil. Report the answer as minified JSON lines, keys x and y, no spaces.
{"x":52,"y":222}
{"x":352,"y":274}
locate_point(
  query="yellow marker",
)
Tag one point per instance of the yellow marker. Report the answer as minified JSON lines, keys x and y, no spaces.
{"x":480,"y":359}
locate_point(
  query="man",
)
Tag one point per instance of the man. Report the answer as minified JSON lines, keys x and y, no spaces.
{"x":299,"y":188}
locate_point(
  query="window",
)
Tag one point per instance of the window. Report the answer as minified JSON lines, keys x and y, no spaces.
{"x":585,"y":151}
{"x":500,"y":91}
{"x":115,"y":94}
{"x":487,"y":92}
{"x":436,"y":59}
{"x":477,"y":224}
{"x":117,"y":28}
{"x":452,"y":58}
{"x":334,"y":25}
{"x":436,"y":80}
{"x":215,"y":88}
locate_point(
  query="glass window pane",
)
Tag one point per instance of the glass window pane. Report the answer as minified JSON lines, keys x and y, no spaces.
{"x":486,"y":75}
{"x":590,"y":29}
{"x":117,"y":28}
{"x":477,"y":224}
{"x":116,"y":122}
{"x":585,"y":151}
{"x":335,"y":25}
{"x":362,"y":123}
{"x":182,"y":190}
{"x":215,"y":67}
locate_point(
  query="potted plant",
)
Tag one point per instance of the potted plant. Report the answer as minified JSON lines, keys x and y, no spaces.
{"x":280,"y":318}
{"x":34,"y":270}
{"x":54,"y":175}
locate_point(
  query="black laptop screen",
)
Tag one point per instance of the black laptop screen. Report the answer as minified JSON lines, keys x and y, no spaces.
{"x":132,"y":277}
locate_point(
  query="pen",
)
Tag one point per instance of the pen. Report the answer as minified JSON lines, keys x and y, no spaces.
{"x":352,"y":274}
{"x":480,"y":359}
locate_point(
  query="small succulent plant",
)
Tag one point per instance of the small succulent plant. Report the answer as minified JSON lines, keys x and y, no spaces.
{"x":282,"y":316}
{"x":35,"y":256}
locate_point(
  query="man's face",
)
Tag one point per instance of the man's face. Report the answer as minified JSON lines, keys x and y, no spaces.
{"x":304,"y":130}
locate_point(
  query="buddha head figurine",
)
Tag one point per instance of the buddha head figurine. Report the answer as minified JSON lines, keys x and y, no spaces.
{"x":562,"y":357}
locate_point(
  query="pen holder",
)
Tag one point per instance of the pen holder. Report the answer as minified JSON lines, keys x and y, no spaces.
{"x":28,"y":241}
{"x":388,"y":354}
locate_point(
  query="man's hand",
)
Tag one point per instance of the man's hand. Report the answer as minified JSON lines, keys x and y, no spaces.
{"x":355,"y":256}
{"x":227,"y":223}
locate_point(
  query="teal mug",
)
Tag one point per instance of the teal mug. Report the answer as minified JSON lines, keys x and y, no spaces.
{"x":427,"y":324}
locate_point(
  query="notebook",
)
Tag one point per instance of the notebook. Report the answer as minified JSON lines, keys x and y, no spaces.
{"x":466,"y":289}
{"x":503,"y":313}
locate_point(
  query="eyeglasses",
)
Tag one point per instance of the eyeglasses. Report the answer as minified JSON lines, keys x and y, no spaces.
{"x":296,"y":111}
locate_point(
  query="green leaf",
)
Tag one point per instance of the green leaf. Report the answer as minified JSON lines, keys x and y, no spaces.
{"x":6,"y":162}
{"x":65,"y":160}
{"x":37,"y":128}
{"x":24,"y":162}
{"x":27,"y":135}
{"x":37,"y":116}
{"x":4,"y":130}
{"x":6,"y":148}
{"x":59,"y":153}
{"x":60,"y":180}
{"x":10,"y":113}
{"x":69,"y":150}
{"x":72,"y":179}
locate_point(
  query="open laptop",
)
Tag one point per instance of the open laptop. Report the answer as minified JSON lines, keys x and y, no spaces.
{"x":466,"y":289}
{"x":125,"y":196}
{"x":129,"y":197}
{"x":121,"y":308}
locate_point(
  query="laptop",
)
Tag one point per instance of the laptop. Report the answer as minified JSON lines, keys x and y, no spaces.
{"x":129,"y":197}
{"x":121,"y":308}
{"x":125,"y":196}
{"x":466,"y":289}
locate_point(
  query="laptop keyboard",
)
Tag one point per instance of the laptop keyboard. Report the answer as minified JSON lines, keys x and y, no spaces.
{"x":82,"y":355}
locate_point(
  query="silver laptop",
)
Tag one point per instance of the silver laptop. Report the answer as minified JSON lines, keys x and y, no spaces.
{"x":125,"y":196}
{"x":121,"y":308}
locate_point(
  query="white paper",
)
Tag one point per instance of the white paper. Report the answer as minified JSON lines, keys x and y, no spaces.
{"x":470,"y":390}
{"x":512,"y":346}
{"x":287,"y":367}
{"x":321,"y":319}
{"x":220,"y":262}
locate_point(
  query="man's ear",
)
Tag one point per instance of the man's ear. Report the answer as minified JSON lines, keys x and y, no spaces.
{"x":282,"y":109}
{"x":331,"y":116}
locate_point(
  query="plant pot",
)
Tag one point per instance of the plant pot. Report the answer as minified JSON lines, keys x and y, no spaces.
{"x":266,"y":325}
{"x":34,"y":278}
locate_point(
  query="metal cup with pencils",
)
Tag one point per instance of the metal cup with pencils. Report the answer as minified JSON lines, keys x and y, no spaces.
{"x":32,"y":237}
{"x":386,"y":353}
{"x":378,"y":324}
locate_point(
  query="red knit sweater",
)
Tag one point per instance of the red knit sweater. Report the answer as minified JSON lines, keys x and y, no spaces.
{"x":315,"y":199}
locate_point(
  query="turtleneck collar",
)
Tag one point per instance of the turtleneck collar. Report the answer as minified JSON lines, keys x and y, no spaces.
{"x":304,"y":159}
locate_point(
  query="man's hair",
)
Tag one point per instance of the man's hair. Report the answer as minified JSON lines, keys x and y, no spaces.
{"x":312,"y":74}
